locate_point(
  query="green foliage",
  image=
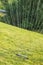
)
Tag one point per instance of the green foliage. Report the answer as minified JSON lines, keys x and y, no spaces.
{"x":26,"y":14}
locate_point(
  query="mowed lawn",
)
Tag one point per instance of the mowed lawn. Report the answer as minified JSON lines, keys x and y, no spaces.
{"x":19,"y":46}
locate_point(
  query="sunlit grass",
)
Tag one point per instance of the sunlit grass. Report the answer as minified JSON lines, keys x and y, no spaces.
{"x":2,"y":14}
{"x":15,"y":41}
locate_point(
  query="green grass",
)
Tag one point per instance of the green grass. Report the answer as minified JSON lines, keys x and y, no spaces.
{"x":15,"y":41}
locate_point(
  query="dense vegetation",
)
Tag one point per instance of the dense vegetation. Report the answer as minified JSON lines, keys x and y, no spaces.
{"x":27,"y":14}
{"x":19,"y":46}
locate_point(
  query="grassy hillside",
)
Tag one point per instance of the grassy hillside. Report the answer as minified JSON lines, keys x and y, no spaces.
{"x":19,"y":46}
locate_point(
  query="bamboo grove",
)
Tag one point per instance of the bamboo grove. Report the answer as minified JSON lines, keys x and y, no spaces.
{"x":26,"y":14}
